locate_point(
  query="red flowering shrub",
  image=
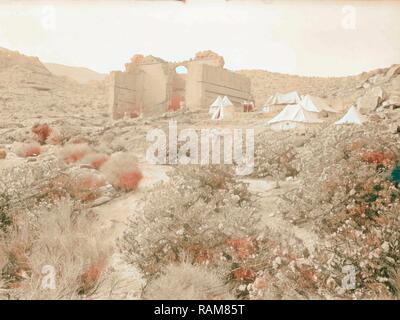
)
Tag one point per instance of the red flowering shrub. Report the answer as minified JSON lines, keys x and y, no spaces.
{"x":200,"y":253}
{"x":129,"y":180}
{"x":378,"y":157}
{"x":243,"y":274}
{"x":122,"y":171}
{"x":28,"y":150}
{"x":243,"y":248}
{"x":90,"y":277}
{"x":42,"y":132}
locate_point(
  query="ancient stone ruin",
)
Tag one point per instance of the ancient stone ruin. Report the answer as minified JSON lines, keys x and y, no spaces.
{"x":151,"y":86}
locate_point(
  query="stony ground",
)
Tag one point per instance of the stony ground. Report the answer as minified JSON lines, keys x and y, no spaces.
{"x":30,"y":95}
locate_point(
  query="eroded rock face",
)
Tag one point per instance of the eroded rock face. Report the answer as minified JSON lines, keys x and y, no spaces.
{"x":371,"y":100}
{"x":10,"y":59}
{"x":396,"y":83}
{"x":394,"y":70}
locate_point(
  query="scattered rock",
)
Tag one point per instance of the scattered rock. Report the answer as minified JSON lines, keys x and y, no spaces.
{"x":367,"y":104}
{"x":371,"y":100}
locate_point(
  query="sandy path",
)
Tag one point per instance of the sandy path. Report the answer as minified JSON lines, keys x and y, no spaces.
{"x":123,"y":280}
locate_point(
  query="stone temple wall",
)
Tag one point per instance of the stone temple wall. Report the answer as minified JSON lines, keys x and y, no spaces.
{"x":150,"y":86}
{"x":205,"y":83}
{"x":125,"y":93}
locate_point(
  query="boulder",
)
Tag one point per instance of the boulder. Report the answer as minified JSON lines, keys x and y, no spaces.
{"x":378,"y":92}
{"x":395,"y":83}
{"x":366,"y":85}
{"x":371,"y":100}
{"x":394,"y":70}
{"x":392,"y":101}
{"x":367,"y":104}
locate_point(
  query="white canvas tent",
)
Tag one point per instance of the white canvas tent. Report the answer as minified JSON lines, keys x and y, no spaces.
{"x":214,"y":106}
{"x":285,"y":98}
{"x":352,"y":116}
{"x":227,"y":102}
{"x":293,"y":116}
{"x":224,"y":110}
{"x":316,"y":104}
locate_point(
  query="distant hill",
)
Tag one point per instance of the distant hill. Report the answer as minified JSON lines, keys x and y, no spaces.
{"x":79,"y":74}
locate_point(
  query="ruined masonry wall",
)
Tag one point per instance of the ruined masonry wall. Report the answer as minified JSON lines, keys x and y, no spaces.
{"x":208,"y":82}
{"x":152,"y":87}
{"x":126,"y":90}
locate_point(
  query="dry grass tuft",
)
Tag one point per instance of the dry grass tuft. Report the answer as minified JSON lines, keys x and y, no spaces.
{"x":185,"y":281}
{"x":66,"y":242}
{"x":90,"y":277}
{"x":72,"y":153}
{"x":95,"y":160}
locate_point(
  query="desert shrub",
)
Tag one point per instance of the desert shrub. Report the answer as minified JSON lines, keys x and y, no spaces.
{"x":84,"y":187}
{"x":95,"y":160}
{"x":196,"y":218}
{"x":275,"y":152}
{"x":27,"y":184}
{"x":122,"y":171}
{"x":28,"y":149}
{"x":214,"y":178}
{"x":5,"y":218}
{"x":184,"y":281}
{"x":17,"y":266}
{"x":55,"y":137}
{"x":378,"y":157}
{"x":42,"y":132}
{"x":90,"y":277}
{"x":72,"y":153}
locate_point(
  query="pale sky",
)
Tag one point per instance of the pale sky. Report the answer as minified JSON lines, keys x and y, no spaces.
{"x":317,"y":38}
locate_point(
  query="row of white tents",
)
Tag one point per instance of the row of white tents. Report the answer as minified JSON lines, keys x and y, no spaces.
{"x":299,"y":111}
{"x":305,"y":110}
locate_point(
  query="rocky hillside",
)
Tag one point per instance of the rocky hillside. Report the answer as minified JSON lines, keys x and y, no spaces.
{"x":339,"y":91}
{"x":81,"y":75}
{"x":27,"y":87}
